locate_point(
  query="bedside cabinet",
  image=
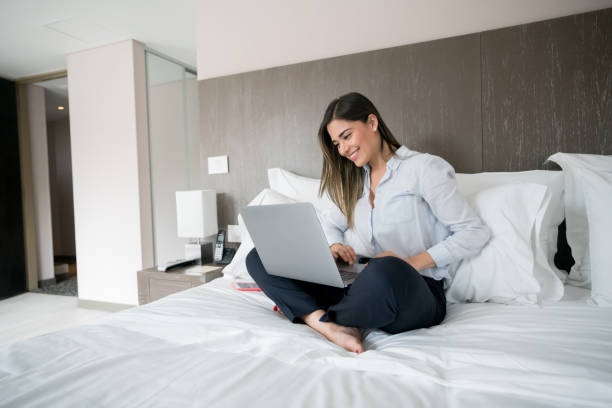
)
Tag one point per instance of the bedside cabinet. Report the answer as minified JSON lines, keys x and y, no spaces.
{"x":153,"y":284}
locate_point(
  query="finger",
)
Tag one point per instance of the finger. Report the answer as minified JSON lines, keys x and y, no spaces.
{"x":353,"y":254}
{"x":342,"y":253}
{"x":350,"y":253}
{"x":334,"y":253}
{"x":346,"y":255}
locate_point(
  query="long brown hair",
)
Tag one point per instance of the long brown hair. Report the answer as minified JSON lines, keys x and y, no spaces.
{"x":340,"y":178}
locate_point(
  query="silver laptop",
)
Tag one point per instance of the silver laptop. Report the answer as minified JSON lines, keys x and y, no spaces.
{"x":291,"y":243}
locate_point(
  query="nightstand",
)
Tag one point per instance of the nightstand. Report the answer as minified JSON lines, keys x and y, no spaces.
{"x":153,"y":284}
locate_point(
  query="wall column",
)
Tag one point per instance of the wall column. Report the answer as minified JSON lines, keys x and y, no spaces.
{"x":110,"y":165}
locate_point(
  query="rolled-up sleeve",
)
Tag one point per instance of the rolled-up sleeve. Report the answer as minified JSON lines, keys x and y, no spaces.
{"x":468,"y":233}
{"x":334,"y":224}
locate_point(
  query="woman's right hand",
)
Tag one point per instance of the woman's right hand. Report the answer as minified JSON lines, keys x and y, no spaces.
{"x":345,"y":252}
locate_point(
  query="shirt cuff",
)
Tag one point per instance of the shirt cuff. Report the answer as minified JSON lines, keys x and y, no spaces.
{"x":334,"y":237}
{"x":440,"y":254}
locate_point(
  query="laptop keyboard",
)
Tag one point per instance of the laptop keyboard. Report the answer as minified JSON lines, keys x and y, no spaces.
{"x":347,"y":275}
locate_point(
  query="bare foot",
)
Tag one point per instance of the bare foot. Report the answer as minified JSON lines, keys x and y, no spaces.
{"x":348,"y":338}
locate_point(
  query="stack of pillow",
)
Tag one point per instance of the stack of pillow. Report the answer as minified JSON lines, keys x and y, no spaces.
{"x":523,"y":210}
{"x":588,"y":217}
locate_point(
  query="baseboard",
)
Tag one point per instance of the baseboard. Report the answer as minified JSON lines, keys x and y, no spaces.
{"x":64,"y":258}
{"x":46,"y":282}
{"x":105,"y":306}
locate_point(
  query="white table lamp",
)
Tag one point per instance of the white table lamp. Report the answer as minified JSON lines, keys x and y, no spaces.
{"x":196,"y":217}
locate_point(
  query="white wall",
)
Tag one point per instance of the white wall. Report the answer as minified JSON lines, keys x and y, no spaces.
{"x":37,"y":123}
{"x":60,"y":178}
{"x":239,"y":36}
{"x":112,"y":208}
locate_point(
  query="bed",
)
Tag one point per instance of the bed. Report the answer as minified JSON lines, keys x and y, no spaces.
{"x":215,"y":346}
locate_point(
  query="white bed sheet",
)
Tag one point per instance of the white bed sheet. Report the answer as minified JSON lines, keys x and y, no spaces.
{"x":216,"y":347}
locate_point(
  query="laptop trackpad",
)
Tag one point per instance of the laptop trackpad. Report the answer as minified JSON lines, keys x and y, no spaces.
{"x":354,"y":268}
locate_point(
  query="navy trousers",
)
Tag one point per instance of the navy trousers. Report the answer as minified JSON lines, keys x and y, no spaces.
{"x":388,"y":294}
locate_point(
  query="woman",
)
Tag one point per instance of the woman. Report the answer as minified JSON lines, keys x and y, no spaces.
{"x":408,"y":215}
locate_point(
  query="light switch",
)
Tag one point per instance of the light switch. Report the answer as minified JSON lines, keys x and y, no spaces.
{"x":217,"y":165}
{"x":233,"y":233}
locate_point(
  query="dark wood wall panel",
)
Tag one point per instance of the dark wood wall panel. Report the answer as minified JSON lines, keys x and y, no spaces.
{"x":12,"y":255}
{"x":547,"y":87}
{"x":428,"y":93}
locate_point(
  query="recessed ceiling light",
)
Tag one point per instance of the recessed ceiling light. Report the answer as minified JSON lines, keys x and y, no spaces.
{"x":60,"y":108}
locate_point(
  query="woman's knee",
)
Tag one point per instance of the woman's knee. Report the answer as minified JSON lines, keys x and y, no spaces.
{"x":389,"y":276}
{"x":390,"y":263}
{"x":388,"y":270}
{"x":253,"y":263}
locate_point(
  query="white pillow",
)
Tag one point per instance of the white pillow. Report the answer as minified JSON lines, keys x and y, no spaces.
{"x":550,"y":215}
{"x":597,"y":188}
{"x":301,"y":189}
{"x":237,"y":268}
{"x":577,"y":226}
{"x":503,"y":272}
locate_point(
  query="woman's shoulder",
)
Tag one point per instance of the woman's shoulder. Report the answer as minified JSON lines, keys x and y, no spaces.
{"x":411,"y":160}
{"x":419,"y":171}
{"x":404,"y":157}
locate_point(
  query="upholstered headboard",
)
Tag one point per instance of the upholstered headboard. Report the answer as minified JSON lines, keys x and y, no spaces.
{"x":500,"y":100}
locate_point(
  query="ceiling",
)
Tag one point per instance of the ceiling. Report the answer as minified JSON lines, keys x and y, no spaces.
{"x":36,"y":35}
{"x":244,"y":35}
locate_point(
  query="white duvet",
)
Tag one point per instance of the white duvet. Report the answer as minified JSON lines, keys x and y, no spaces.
{"x":212,"y":346}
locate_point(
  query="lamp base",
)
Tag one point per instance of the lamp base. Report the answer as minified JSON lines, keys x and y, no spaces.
{"x":202,"y":251}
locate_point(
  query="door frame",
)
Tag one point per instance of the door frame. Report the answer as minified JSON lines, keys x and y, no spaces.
{"x":27,"y":185}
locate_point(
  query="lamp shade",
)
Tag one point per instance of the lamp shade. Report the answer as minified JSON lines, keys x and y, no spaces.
{"x":196,"y":213}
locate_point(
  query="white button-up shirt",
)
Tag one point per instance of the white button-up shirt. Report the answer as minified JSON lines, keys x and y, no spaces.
{"x":417,"y":208}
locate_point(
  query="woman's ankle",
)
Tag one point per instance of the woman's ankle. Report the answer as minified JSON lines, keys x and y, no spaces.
{"x":312,"y":319}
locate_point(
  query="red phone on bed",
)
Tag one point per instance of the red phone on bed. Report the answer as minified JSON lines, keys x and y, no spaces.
{"x":246,"y":286}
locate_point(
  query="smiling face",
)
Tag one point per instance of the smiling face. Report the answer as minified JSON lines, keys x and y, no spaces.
{"x":355,"y":140}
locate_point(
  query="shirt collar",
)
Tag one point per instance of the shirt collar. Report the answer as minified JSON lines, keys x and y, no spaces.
{"x":395,"y":160}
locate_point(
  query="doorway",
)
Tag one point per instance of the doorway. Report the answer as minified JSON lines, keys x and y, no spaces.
{"x":49,"y":133}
